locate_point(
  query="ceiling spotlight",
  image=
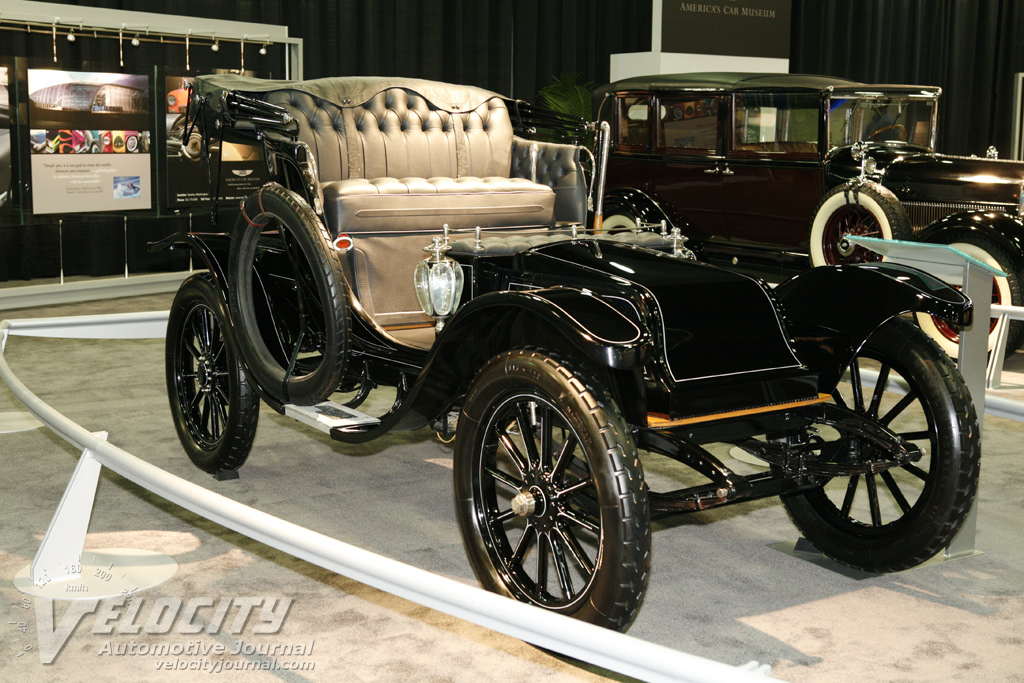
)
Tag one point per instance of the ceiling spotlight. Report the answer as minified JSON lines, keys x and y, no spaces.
{"x":263,"y":49}
{"x":135,"y":40}
{"x":216,"y":45}
{"x":71,"y":36}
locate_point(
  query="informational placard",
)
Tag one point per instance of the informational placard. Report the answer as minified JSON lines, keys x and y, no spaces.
{"x":5,"y":138}
{"x":743,"y":28}
{"x":189,"y":176}
{"x":90,"y":141}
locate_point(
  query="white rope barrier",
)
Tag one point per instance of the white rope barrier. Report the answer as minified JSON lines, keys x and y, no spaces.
{"x":605,"y":648}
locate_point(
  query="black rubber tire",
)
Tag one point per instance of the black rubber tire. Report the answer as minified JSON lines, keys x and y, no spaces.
{"x":215,"y":410}
{"x":295,"y":349}
{"x":869,"y":210}
{"x":1007,"y":291}
{"x":937,"y":490}
{"x":596,"y":538}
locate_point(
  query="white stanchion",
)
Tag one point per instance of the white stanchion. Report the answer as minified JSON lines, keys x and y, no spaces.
{"x":608,"y":649}
{"x":994,"y":371}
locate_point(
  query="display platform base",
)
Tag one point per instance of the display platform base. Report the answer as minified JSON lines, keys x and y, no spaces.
{"x":18,"y":422}
{"x":737,"y":453}
{"x":106,"y":573}
{"x":802,"y":549}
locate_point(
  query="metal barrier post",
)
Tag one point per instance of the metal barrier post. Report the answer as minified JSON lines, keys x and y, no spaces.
{"x":58,"y":556}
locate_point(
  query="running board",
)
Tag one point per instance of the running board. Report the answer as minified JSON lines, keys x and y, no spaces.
{"x":328,"y":415}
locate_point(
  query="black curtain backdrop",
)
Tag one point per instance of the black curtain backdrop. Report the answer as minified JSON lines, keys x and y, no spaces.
{"x":513,"y":47}
{"x":970,"y":48}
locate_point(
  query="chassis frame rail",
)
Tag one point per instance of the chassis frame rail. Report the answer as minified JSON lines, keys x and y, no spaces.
{"x":609,"y":649}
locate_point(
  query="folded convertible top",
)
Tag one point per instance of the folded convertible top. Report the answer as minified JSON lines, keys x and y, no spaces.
{"x":344,"y":91}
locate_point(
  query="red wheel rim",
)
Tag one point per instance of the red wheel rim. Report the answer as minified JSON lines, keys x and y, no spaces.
{"x":849,"y":220}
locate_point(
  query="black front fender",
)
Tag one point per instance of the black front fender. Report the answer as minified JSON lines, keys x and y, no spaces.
{"x":832,"y":310}
{"x":562,"y":319}
{"x":1005,"y":230}
{"x":567,"y":319}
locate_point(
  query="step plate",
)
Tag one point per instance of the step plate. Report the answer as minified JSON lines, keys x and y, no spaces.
{"x":327,"y":415}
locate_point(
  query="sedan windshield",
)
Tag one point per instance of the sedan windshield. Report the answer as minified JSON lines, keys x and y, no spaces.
{"x":881,"y":119}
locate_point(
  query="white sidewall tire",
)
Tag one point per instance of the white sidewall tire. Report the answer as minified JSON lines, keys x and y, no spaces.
{"x":927,"y":322}
{"x":618,"y":221}
{"x":835,"y":203}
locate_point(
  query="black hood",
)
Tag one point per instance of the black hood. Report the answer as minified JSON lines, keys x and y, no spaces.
{"x":715,"y":323}
{"x":915,"y":174}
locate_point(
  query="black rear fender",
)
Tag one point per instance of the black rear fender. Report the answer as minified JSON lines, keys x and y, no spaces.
{"x":831,"y":311}
{"x":210,"y":248}
{"x":212,"y":251}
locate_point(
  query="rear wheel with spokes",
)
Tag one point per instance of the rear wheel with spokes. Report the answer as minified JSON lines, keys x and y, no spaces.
{"x":894,"y":516}
{"x":215,"y":410}
{"x":550,"y":493}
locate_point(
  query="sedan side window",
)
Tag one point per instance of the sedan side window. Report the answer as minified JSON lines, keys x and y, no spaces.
{"x":688,"y":125}
{"x":634,"y":129}
{"x":766,"y":123}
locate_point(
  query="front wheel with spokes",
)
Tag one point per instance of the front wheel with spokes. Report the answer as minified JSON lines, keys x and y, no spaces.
{"x":895,"y":515}
{"x":549,"y":490}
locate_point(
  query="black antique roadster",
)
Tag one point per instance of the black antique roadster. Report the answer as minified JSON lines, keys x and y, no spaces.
{"x":561,"y":360}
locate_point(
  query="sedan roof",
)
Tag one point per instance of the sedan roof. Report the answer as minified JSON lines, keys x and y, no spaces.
{"x":730,"y":81}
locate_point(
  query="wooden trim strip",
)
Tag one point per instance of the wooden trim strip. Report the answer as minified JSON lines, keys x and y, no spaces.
{"x":661,"y":422}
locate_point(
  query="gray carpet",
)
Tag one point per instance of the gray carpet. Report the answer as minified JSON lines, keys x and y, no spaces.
{"x":717,"y":587}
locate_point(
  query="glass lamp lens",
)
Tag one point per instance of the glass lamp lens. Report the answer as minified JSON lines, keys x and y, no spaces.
{"x":442,"y":288}
{"x":421,"y":281}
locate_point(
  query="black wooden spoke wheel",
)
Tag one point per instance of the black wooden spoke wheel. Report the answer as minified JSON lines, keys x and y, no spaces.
{"x":550,"y":494}
{"x":288,"y":298}
{"x":215,"y":410}
{"x":897,"y":517}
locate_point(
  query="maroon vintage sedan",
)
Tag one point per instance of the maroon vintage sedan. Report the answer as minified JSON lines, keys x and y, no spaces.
{"x":767,"y":172}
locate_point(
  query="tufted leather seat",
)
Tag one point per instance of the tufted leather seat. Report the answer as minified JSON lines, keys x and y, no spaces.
{"x":415,"y":203}
{"x":398,"y":161}
{"x":399,"y":158}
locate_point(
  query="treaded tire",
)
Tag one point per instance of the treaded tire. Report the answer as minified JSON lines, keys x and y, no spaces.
{"x":937,"y":490}
{"x":1007,"y":291}
{"x":869,"y":210}
{"x":584,"y":548}
{"x":214,"y":408}
{"x":295,"y":347}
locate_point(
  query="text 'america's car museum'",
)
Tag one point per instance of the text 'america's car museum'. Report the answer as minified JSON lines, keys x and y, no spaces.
{"x":477,"y":341}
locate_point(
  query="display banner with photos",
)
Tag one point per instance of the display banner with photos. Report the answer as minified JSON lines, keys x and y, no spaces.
{"x":5,"y":138}
{"x":741,"y":28}
{"x":90,"y":141}
{"x":188,"y":178}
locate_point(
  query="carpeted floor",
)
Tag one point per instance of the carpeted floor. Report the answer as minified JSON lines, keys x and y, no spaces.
{"x":718,"y":589}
